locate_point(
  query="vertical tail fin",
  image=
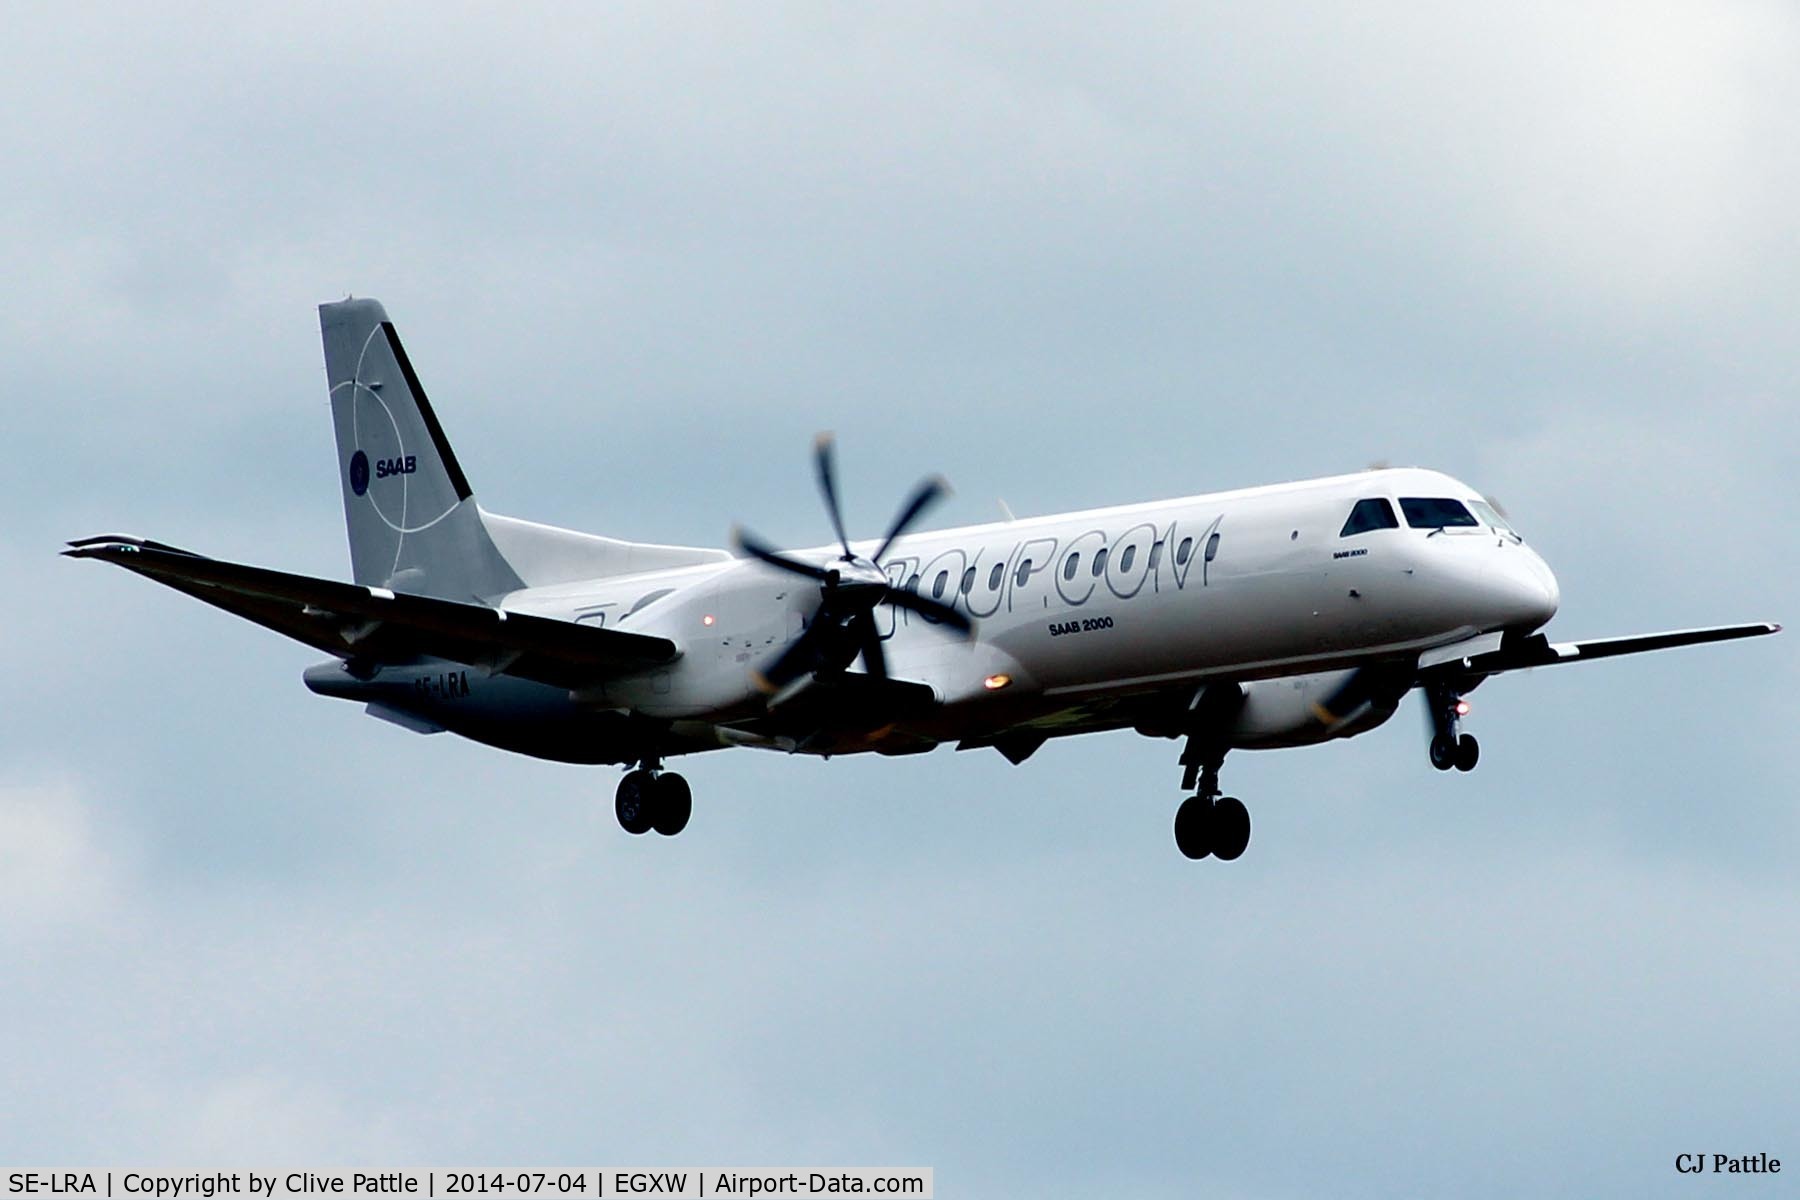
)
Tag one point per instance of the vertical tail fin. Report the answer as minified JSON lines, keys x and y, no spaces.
{"x":414,"y":526}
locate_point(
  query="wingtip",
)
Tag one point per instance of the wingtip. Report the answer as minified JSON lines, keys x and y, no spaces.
{"x":93,"y":547}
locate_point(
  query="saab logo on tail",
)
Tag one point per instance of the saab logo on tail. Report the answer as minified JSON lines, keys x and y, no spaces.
{"x":384,"y":467}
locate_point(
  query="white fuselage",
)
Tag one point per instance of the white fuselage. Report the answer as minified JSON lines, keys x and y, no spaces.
{"x":1079,"y":611}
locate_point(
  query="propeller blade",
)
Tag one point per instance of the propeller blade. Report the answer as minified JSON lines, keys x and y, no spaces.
{"x":804,"y":654}
{"x":926,"y":494}
{"x":1366,"y":688}
{"x":937,"y":610}
{"x":822,"y":459}
{"x":755,"y":547}
{"x":874,"y":657}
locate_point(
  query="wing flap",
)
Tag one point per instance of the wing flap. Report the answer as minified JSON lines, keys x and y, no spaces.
{"x":353,"y":621}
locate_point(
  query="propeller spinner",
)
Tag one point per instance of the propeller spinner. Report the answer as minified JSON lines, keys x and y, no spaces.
{"x":850,"y":588}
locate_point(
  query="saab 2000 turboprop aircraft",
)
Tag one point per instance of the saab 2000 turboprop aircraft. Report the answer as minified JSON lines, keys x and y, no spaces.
{"x":1267,"y":617}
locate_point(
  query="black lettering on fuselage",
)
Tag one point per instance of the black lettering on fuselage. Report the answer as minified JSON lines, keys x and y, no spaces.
{"x":1142,"y":556}
{"x":446,"y":685}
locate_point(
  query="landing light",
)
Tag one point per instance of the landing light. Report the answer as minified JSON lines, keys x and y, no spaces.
{"x":1462,"y":708}
{"x":707,"y":619}
{"x":994,"y":683}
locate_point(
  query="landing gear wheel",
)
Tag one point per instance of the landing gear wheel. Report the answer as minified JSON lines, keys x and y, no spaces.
{"x":635,"y":801}
{"x":1468,"y":752}
{"x":1230,"y":828}
{"x":1193,"y":827}
{"x":673,"y":804}
{"x":1444,"y":752}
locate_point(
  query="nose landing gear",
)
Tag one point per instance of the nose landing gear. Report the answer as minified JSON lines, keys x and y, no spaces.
{"x":651,"y":798}
{"x":1450,"y":747}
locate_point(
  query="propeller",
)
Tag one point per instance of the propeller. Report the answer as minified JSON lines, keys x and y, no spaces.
{"x":851,"y":588}
{"x":1367,"y":689}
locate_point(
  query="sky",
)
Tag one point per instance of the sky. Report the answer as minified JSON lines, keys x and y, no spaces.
{"x":1067,"y":257}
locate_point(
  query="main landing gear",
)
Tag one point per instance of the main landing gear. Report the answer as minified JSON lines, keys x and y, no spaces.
{"x":1450,"y":747}
{"x":651,"y":798}
{"x":1208,"y":823}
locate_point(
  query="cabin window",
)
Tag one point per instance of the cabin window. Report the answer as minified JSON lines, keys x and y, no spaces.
{"x":939,"y":584}
{"x":1182,"y":551}
{"x":995,"y":575}
{"x":1212,"y":547}
{"x":1126,"y":558}
{"x":1071,"y":564}
{"x":1023,"y":573}
{"x":1099,"y":562}
{"x":968,"y":581}
{"x":1368,"y":515}
{"x":1435,"y":513}
{"x":912,"y":585}
{"x":1155,"y":554}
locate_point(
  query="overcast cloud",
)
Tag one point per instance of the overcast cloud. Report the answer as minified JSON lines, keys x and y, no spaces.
{"x":639,"y":255}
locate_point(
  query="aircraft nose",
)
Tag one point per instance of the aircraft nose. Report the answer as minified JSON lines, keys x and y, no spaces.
{"x":1547,"y":578}
{"x":1525,"y":589}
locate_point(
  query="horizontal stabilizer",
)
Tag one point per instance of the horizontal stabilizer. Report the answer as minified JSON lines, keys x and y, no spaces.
{"x":1539,"y":651}
{"x":374,"y":624}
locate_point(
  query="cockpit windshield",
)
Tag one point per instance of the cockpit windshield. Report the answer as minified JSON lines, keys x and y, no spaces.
{"x":1436,"y":513}
{"x":1367,"y":515}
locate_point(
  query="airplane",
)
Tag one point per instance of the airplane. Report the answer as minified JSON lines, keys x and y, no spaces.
{"x":1260,"y":618}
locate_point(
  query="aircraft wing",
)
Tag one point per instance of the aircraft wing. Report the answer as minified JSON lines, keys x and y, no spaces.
{"x":353,"y":621}
{"x":1539,"y":651}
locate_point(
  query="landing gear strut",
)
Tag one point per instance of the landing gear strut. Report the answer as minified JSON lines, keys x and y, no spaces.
{"x":651,"y":798}
{"x":1208,"y":823}
{"x":1450,"y":747}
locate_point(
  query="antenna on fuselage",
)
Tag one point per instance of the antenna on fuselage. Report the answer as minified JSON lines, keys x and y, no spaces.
{"x":1005,"y":509}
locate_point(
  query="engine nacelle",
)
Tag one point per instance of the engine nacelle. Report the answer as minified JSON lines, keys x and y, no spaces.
{"x":1301,"y":710}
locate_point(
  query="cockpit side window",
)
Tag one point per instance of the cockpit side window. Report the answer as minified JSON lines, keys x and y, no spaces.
{"x":1436,"y":513}
{"x":1491,"y":516}
{"x":1369,"y":514}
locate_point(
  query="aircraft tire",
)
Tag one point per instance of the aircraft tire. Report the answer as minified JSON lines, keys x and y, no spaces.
{"x":1443,"y":753}
{"x":1468,"y":752}
{"x":634,"y":802}
{"x":672,"y":804}
{"x":1193,"y":827}
{"x":1230,"y":828}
